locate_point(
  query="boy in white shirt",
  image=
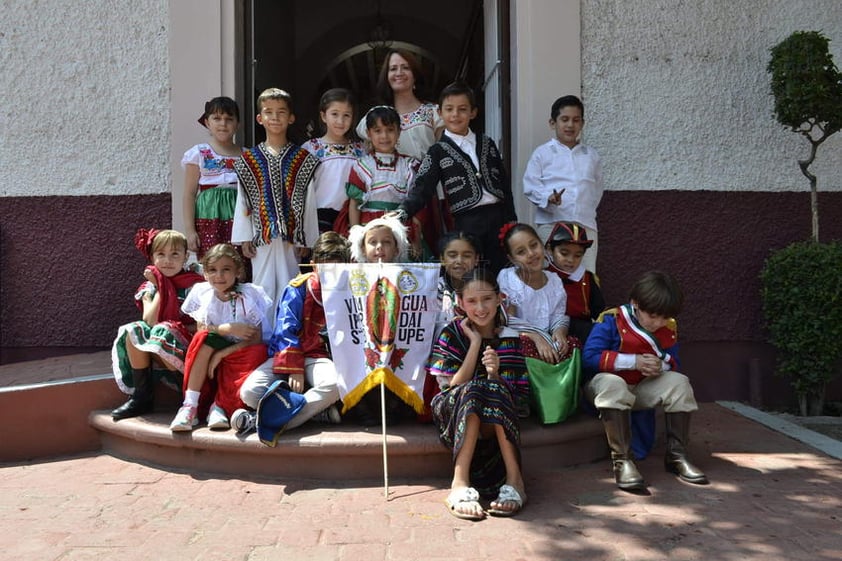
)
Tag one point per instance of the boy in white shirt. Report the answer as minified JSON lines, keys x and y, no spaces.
{"x":563,"y":178}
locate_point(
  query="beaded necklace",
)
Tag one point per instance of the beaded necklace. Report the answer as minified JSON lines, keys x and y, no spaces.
{"x":391,"y":164}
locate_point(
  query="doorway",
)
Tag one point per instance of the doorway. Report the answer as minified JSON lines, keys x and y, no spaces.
{"x":307,"y":48}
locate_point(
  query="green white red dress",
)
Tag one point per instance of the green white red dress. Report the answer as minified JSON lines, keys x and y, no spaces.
{"x":217,"y":195}
{"x":167,"y":340}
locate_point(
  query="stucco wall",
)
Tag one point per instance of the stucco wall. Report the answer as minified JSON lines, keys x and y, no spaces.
{"x":677,"y":94}
{"x":85,"y":95}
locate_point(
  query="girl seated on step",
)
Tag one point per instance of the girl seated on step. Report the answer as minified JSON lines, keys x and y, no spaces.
{"x":475,"y":413}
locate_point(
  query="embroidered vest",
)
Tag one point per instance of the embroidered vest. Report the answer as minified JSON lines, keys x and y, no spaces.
{"x":276,"y":191}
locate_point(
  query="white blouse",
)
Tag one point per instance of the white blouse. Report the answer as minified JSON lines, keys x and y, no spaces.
{"x":544,"y":308}
{"x":251,"y":307}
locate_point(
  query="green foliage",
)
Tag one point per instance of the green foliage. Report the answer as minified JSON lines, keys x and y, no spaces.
{"x":806,"y":83}
{"x":802,"y":304}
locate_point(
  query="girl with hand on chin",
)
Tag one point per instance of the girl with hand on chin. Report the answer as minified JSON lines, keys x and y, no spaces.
{"x":475,"y":413}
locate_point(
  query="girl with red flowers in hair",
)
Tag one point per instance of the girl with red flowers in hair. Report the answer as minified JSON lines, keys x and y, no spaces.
{"x":153,"y":348}
{"x":535,"y":300}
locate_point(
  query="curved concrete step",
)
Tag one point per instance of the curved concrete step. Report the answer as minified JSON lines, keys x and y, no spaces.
{"x":332,"y":451}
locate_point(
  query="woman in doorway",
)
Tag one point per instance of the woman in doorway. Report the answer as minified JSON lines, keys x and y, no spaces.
{"x":398,"y":86}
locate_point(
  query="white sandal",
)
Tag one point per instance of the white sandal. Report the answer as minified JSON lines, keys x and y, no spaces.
{"x":463,"y":497}
{"x":508,"y":494}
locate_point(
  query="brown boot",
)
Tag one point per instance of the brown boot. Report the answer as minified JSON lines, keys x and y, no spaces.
{"x":617,"y":423}
{"x":675,"y":460}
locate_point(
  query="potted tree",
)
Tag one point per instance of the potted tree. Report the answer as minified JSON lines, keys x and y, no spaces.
{"x":808,"y":97}
{"x":802,"y":303}
{"x":802,"y":283}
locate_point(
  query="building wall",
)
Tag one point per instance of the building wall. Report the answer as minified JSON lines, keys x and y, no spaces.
{"x":85,"y":161}
{"x":701,"y":179}
{"x":677,"y":94}
{"x":85,"y":99}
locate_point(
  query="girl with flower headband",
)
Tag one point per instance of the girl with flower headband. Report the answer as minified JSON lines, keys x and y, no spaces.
{"x":153,"y":348}
{"x":232,"y":323}
{"x":379,"y":180}
{"x":210,"y":182}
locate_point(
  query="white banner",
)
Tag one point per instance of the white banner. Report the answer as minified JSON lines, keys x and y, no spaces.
{"x":381,"y":323}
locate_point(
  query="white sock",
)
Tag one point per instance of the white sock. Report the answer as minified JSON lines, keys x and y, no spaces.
{"x":191,"y":398}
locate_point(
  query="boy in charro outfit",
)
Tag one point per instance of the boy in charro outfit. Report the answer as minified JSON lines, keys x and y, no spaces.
{"x":632,"y":358}
{"x":275,"y":218}
{"x":471,"y":172}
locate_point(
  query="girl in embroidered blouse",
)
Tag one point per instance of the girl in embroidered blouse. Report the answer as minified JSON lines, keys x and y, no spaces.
{"x":231,"y":316}
{"x":379,"y":181}
{"x":210,"y":183}
{"x":337,"y":153}
{"x":475,"y":414}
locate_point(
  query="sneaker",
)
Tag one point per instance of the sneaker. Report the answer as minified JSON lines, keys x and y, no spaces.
{"x":217,"y":419}
{"x":185,"y":419}
{"x":329,"y":416}
{"x":243,"y":421}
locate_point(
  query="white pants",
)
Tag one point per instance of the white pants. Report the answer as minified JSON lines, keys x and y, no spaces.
{"x":272,"y":267}
{"x":544,"y":231}
{"x":671,"y":389}
{"x":320,"y":374}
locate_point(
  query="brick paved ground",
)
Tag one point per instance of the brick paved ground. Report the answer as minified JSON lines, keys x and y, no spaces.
{"x":771,"y":498}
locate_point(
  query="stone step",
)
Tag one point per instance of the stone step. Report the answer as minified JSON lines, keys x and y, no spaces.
{"x":49,"y":419}
{"x":49,"y":412}
{"x":332,"y":452}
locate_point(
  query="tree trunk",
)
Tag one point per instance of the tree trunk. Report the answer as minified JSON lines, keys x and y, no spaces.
{"x":811,"y":402}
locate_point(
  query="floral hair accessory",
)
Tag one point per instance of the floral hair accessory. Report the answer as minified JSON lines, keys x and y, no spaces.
{"x":503,"y":231}
{"x":143,"y":240}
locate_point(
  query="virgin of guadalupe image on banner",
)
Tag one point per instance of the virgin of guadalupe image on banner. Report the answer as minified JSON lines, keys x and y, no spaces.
{"x":381,"y":325}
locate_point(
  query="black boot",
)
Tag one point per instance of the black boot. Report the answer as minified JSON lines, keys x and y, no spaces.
{"x":617,"y":423}
{"x":141,"y":400}
{"x":675,"y":460}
